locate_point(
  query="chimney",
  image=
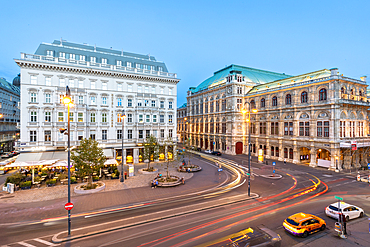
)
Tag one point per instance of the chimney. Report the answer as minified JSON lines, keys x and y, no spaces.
{"x":334,"y":71}
{"x":363,"y":78}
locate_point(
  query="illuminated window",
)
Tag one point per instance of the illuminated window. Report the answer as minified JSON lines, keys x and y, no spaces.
{"x":304,"y":97}
{"x":322,"y":94}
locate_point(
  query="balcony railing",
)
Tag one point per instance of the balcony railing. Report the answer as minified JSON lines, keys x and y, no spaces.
{"x":64,"y":61}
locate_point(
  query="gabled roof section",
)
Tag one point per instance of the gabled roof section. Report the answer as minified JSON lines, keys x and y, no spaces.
{"x":183,"y":106}
{"x":252,"y":75}
{"x":290,"y":81}
{"x":7,"y":85}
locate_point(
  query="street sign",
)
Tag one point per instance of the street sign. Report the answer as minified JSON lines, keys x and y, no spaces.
{"x":68,"y":206}
{"x":339,"y":198}
{"x":274,"y":163}
{"x":354,"y":145}
{"x":214,"y":143}
{"x":220,"y":169}
{"x":273,"y":171}
{"x":248,"y":174}
{"x":368,"y":166}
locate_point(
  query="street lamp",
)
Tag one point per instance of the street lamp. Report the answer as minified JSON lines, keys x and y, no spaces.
{"x":68,"y":102}
{"x":123,"y":115}
{"x":249,"y":142}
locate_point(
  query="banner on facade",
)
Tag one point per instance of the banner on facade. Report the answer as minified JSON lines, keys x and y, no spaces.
{"x":260,"y":155}
{"x":354,"y":145}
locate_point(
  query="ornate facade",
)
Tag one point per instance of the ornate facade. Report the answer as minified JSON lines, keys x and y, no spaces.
{"x":182,"y":122}
{"x":310,"y":118}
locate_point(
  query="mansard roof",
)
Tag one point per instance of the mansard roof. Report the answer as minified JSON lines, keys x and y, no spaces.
{"x":93,"y":51}
{"x":252,"y":75}
{"x":294,"y":80}
{"x":7,"y":85}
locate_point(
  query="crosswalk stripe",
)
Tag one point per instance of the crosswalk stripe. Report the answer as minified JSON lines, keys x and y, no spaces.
{"x":45,"y":242}
{"x":26,"y":244}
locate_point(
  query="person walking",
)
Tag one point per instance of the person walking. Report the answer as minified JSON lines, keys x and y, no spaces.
{"x":284,"y":161}
{"x":155,"y":184}
{"x":125,"y":175}
{"x":344,"y":222}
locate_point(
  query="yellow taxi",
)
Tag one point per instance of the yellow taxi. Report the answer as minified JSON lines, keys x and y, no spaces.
{"x":302,"y":224}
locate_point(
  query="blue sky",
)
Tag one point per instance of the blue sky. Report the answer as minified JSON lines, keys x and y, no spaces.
{"x":197,"y":38}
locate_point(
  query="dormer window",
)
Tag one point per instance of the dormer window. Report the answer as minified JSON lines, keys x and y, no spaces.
{"x":129,"y":64}
{"x":50,"y":53}
{"x":62,"y":55}
{"x":104,"y":61}
{"x":119,"y":63}
{"x":160,"y":69}
{"x":93,"y":59}
{"x":82,"y":58}
{"x":72,"y":56}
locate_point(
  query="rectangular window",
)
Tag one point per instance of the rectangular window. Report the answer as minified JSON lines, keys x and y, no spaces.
{"x":104,"y":117}
{"x":92,"y":134}
{"x":80,"y":100}
{"x":48,"y":98}
{"x":80,"y":117}
{"x":161,"y":118}
{"x":129,"y":102}
{"x":146,"y":89}
{"x":153,"y":103}
{"x":92,"y":117}
{"x":301,"y":128}
{"x":170,"y":133}
{"x":290,"y":128}
{"x":119,"y":119}
{"x":104,"y":85}
{"x":80,"y":84}
{"x":32,"y":136}
{"x":48,"y":116}
{"x":129,"y":118}
{"x":71,"y":116}
{"x":170,"y":91}
{"x":33,"y":116}
{"x":93,"y":59}
{"x":129,"y":134}
{"x":154,"y":118}
{"x":147,"y":119}
{"x":119,"y":87}
{"x":50,"y":53}
{"x":272,"y":129}
{"x":72,"y":56}
{"x":319,"y":129}
{"x":129,"y":88}
{"x":146,"y":102}
{"x":92,"y":85}
{"x":119,"y":63}
{"x":162,"y":133}
{"x":62,"y":55}
{"x":104,"y":100}
{"x":47,"y":134}
{"x":104,"y":61}
{"x":286,"y":128}
{"x":326,"y":129}
{"x":162,"y":90}
{"x":33,"y":98}
{"x":80,"y":135}
{"x":129,"y":64}
{"x":139,"y":103}
{"x":139,"y":89}
{"x":276,"y":128}
{"x":141,"y":119}
{"x":119,"y":134}
{"x":62,"y":82}
{"x":147,"y":133}
{"x":162,"y":104}
{"x":48,"y":81}
{"x":92,"y":100}
{"x":60,"y":116}
{"x":141,"y":134}
{"x":82,"y":58}
{"x":71,"y":83}
{"x":170,"y":118}
{"x":119,"y":102}
{"x":153,"y":90}
{"x":170,"y":104}
{"x":104,"y":134}
{"x":307,"y":129}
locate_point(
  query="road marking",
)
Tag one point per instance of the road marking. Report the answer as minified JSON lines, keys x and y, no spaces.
{"x":329,"y":176}
{"x":26,"y":244}
{"x":45,"y":242}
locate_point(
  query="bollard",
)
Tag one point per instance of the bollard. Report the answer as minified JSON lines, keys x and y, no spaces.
{"x":358,"y":177}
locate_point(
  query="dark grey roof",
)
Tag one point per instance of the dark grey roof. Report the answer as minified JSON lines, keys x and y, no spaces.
{"x":17,"y":80}
{"x":9,"y":86}
{"x":92,"y":51}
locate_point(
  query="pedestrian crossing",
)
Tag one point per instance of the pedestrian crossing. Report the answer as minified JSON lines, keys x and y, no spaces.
{"x":36,"y":242}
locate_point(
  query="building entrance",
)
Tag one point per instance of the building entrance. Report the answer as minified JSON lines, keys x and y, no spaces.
{"x":239,"y":148}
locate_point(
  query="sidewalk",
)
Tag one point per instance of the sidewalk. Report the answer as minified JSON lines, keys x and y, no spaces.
{"x":358,"y":235}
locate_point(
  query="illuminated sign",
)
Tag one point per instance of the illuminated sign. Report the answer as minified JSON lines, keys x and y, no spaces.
{"x":260,"y":155}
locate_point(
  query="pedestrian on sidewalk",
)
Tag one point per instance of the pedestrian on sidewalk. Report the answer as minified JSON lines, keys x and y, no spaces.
{"x":155,"y":184}
{"x":125,"y":175}
{"x":284,"y":161}
{"x":344,"y":221}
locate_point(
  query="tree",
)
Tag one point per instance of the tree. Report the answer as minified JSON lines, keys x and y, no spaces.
{"x":188,"y":154}
{"x":88,"y":158}
{"x":174,"y":160}
{"x":151,"y":150}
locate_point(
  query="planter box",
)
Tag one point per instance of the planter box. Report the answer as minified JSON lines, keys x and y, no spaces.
{"x":26,"y":188}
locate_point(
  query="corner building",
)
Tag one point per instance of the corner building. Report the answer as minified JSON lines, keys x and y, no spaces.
{"x":103,"y":82}
{"x":310,"y":119}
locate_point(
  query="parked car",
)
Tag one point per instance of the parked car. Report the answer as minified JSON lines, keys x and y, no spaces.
{"x":216,"y":153}
{"x":6,"y":155}
{"x":350,"y":211}
{"x":302,"y":224}
{"x":15,"y":153}
{"x":249,"y":237}
{"x":208,"y":151}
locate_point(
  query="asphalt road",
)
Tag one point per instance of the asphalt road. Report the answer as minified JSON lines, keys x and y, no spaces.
{"x":279,"y":199}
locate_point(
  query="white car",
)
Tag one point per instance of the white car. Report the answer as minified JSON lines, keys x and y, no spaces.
{"x":208,"y":151}
{"x":350,"y":211}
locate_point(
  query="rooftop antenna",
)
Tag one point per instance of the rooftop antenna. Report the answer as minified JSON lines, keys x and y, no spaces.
{"x":95,"y":47}
{"x":61,"y":41}
{"x":149,"y":56}
{"x":122,"y":52}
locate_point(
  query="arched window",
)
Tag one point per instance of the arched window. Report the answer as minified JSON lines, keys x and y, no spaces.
{"x":291,"y":153}
{"x":285,"y":153}
{"x":253,"y":104}
{"x":263,"y":102}
{"x":360,"y":92}
{"x":322,"y":94}
{"x":288,"y":99}
{"x":352,"y":91}
{"x":342,"y":90}
{"x":274,"y":101}
{"x":304,"y":97}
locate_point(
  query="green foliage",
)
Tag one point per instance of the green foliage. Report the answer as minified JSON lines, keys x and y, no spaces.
{"x":95,"y":178}
{"x":16,"y":178}
{"x":88,"y":158}
{"x":25,"y":184}
{"x":37,"y":179}
{"x":51,"y":181}
{"x":73,"y":180}
{"x":151,"y":149}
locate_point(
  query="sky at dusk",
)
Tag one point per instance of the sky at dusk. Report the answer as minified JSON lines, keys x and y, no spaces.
{"x":197,"y":38}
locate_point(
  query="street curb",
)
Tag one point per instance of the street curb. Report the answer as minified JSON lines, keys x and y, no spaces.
{"x":55,"y":238}
{"x":277,"y":176}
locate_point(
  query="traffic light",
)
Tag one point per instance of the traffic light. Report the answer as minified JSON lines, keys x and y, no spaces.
{"x":63,"y":131}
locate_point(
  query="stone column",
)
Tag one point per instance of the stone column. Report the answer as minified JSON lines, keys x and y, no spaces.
{"x":124,"y":156}
{"x":174,"y":152}
{"x":295,"y":153}
{"x":136,"y":155}
{"x":268,"y":149}
{"x":313,"y":157}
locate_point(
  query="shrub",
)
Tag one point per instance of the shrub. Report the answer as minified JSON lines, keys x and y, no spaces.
{"x":51,"y":181}
{"x":36,"y":179}
{"x":25,"y":184}
{"x":73,"y":180}
{"x":14,"y":179}
{"x":95,"y":178}
{"x":114,"y":175}
{"x":116,"y":172}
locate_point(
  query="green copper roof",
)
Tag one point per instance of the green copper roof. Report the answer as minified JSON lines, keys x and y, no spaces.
{"x":290,"y":81}
{"x":183,"y":106}
{"x":5,"y":84}
{"x":252,"y":75}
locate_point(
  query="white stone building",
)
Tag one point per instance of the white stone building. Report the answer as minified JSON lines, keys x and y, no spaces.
{"x":103,"y":82}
